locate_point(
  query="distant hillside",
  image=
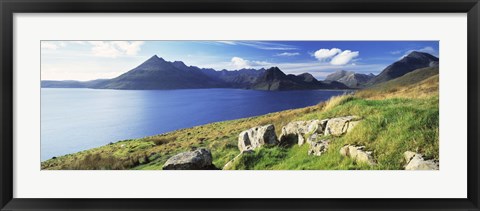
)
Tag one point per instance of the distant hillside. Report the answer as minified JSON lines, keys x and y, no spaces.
{"x":275,"y":79}
{"x":411,"y":62}
{"x":349,"y":78}
{"x":156,"y":73}
{"x":237,"y":78}
{"x":72,"y":84}
{"x":423,"y":79}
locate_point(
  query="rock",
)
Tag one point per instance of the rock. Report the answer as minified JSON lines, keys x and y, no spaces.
{"x":313,"y":138}
{"x":229,"y":165}
{"x":200,"y":159}
{"x":294,"y":132}
{"x":341,"y":125}
{"x":408,"y":155}
{"x":358,"y":154}
{"x":256,"y":137}
{"x":318,"y":148}
{"x":416,"y":161}
{"x":351,"y":125}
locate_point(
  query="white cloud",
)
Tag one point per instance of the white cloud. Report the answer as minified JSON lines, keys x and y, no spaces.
{"x":48,"y":45}
{"x":335,"y":55}
{"x":344,"y":57}
{"x":227,"y":42}
{"x":260,"y":45}
{"x":288,"y":54}
{"x":114,"y":49}
{"x":426,"y":49}
{"x":239,"y":63}
{"x":324,"y":54}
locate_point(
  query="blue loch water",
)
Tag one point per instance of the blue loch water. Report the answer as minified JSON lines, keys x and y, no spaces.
{"x":77,"y":119}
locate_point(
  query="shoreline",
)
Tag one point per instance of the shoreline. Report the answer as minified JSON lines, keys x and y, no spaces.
{"x":186,"y":128}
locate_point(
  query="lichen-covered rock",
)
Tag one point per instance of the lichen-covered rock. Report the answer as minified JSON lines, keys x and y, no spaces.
{"x":358,"y":154}
{"x":200,"y":159}
{"x":295,"y":132}
{"x":341,"y":125}
{"x":351,"y":125}
{"x":229,"y":165}
{"x":318,"y":148}
{"x":416,"y":161}
{"x":314,"y":138}
{"x":256,"y":137}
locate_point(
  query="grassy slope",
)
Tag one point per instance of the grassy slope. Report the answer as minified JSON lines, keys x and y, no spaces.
{"x":398,"y":116}
{"x":408,"y":85}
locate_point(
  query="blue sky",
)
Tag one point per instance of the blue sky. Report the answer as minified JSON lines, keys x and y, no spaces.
{"x":88,"y":60}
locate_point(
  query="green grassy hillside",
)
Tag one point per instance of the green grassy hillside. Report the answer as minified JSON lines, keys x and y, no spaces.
{"x":399,"y":115}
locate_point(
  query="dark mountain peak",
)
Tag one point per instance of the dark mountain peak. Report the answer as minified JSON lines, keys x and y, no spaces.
{"x":155,"y":58}
{"x":153,"y":63}
{"x":180,"y":65}
{"x":274,"y":70}
{"x":343,"y":72}
{"x":337,"y":75}
{"x":307,"y":77}
{"x":273,"y":73}
{"x":421,"y":56}
{"x":409,"y":63}
{"x":179,"y":62}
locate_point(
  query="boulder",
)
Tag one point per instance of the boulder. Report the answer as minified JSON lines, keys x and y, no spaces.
{"x":229,"y":165}
{"x":314,"y":138}
{"x":318,"y":148}
{"x":256,"y":137}
{"x":358,"y":154}
{"x":295,"y":132}
{"x":416,"y":161}
{"x":341,"y":125}
{"x":200,"y":159}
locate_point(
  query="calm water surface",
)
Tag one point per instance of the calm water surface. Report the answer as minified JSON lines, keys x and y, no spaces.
{"x":77,"y":119}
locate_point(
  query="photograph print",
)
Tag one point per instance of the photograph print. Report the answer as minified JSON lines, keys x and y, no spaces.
{"x":239,"y":105}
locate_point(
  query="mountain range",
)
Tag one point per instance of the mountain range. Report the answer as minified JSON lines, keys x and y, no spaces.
{"x":156,"y":73}
{"x":350,"y":78}
{"x":411,"y":62}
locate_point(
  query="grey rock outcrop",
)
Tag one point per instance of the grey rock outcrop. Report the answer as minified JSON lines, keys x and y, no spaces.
{"x":341,"y":125}
{"x":415,"y":161}
{"x":256,"y":137}
{"x":318,"y":148}
{"x":200,"y":159}
{"x":295,"y":132}
{"x":358,"y":153}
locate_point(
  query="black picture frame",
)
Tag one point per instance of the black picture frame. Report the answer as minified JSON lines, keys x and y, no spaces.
{"x":9,"y":7}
